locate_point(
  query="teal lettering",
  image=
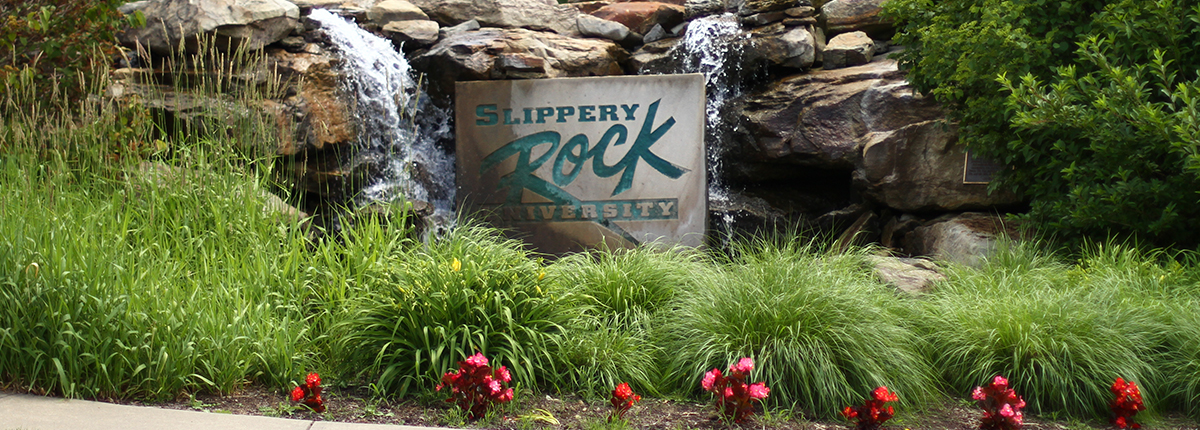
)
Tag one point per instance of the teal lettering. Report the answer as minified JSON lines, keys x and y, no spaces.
{"x":568,"y":154}
{"x":508,"y":118}
{"x":641,"y":151}
{"x":543,"y":113}
{"x":585,"y":114}
{"x":488,"y":112}
{"x":564,"y":112}
{"x":630,"y":110}
{"x":522,"y":176}
{"x":607,"y":112}
{"x":528,"y":115}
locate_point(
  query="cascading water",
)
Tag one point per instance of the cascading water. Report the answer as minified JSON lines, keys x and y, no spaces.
{"x":712,"y":46}
{"x":395,"y":119}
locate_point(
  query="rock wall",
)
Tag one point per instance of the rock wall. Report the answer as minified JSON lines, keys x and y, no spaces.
{"x":824,"y":132}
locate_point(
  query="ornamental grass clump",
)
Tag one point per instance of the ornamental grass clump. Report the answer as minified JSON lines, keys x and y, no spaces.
{"x":1127,"y":404}
{"x":820,"y":326}
{"x":734,"y":397}
{"x":309,"y":394}
{"x":1001,"y":405}
{"x":1057,"y":331}
{"x":622,"y":400}
{"x":475,"y":387}
{"x":872,"y":414}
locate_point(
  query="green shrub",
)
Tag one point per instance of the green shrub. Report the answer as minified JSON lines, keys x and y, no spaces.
{"x":471,"y":291}
{"x":1061,"y":335}
{"x":48,"y":45}
{"x":821,"y":330}
{"x":1107,"y":146}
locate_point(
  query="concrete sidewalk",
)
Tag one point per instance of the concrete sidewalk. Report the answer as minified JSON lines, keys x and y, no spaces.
{"x":29,"y":412}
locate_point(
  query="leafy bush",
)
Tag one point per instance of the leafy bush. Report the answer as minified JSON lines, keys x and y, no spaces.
{"x":1098,"y":120}
{"x":426,"y":306}
{"x":49,"y":44}
{"x":819,"y":326}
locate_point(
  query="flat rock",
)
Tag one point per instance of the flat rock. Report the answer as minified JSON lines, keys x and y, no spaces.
{"x":387,"y":11}
{"x":248,"y":24}
{"x":530,"y":14}
{"x":415,"y":33}
{"x":598,"y":27}
{"x":914,"y":276}
{"x":515,"y":53}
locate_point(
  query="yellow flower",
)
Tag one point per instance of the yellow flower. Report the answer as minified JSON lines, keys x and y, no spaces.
{"x":456,"y":265}
{"x":542,"y":275}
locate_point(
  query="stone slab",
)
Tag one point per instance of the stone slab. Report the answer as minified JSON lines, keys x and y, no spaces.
{"x":571,"y":164}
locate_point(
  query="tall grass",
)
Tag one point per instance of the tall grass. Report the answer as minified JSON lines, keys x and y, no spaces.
{"x":822,"y":331}
{"x":120,"y":281}
{"x":1060,"y":334}
{"x":622,"y":299}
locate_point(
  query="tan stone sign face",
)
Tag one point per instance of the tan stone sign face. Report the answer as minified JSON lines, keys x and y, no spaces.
{"x":571,"y":164}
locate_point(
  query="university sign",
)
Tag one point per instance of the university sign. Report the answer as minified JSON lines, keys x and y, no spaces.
{"x":570,"y":164}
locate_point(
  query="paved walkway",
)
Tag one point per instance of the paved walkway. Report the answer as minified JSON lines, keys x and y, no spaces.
{"x":29,"y":412}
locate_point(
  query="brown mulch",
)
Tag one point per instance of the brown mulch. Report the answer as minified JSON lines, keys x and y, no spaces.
{"x":536,"y":412}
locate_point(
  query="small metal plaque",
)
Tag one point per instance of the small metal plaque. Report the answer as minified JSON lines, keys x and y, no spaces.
{"x":576,"y":163}
{"x":977,"y":170}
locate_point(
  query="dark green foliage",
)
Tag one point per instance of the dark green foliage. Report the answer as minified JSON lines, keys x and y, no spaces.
{"x":1106,"y":148}
{"x":53,"y":42}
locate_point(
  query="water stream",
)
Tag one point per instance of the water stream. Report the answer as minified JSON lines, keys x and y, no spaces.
{"x":395,"y":120}
{"x":712,"y":46}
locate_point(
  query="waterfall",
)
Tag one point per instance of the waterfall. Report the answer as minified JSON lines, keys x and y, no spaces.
{"x":395,"y":119}
{"x":712,"y":46}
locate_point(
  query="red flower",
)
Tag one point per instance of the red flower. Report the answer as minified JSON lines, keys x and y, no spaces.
{"x":298,"y":394}
{"x":871,"y":414}
{"x":622,"y":400}
{"x":312,"y":380}
{"x":1001,"y":405}
{"x":734,"y":397}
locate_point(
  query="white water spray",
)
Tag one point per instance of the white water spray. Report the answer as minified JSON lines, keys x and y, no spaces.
{"x":394,"y":118}
{"x":711,"y":47}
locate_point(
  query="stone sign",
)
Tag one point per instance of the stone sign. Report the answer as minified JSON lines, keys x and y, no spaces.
{"x":571,"y":164}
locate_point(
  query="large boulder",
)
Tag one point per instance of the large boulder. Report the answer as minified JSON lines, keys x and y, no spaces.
{"x":412,"y":34}
{"x":843,"y":16}
{"x":516,"y":53}
{"x":817,"y":119}
{"x":316,"y":116}
{"x":640,"y":17}
{"x":249,"y":24}
{"x":865,"y":119}
{"x":919,"y":168}
{"x":530,"y":14}
{"x":793,"y":47}
{"x":967,"y":238}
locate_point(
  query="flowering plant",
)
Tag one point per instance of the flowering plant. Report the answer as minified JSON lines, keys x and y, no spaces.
{"x":475,"y":387}
{"x":1127,"y":404}
{"x":1001,"y":405}
{"x":622,"y":400}
{"x":310,"y":393}
{"x":871,"y":415}
{"x":734,"y":396}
